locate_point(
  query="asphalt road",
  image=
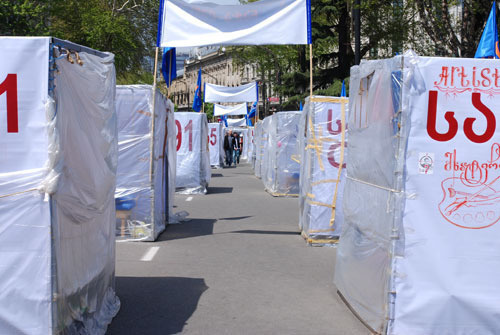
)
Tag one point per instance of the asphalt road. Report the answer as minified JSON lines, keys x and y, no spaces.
{"x":239,"y":266}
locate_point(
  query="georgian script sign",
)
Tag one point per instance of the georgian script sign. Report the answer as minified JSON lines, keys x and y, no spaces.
{"x":462,"y":98}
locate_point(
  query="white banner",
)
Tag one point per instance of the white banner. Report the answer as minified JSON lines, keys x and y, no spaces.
{"x":236,"y":122}
{"x":453,"y":165}
{"x":244,"y":93}
{"x":215,"y":144}
{"x":25,"y":220}
{"x":240,"y":109}
{"x":184,"y":24}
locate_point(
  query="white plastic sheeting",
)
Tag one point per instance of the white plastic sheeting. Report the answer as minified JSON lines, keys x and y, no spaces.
{"x":144,"y":203}
{"x":322,"y":174}
{"x":57,"y":181}
{"x":280,"y":167}
{"x":193,"y":158}
{"x":419,"y":251}
{"x":250,"y":144}
{"x":243,"y":93}
{"x":185,"y":24}
{"x":216,"y":144}
{"x":258,"y":148}
{"x":261,"y":170}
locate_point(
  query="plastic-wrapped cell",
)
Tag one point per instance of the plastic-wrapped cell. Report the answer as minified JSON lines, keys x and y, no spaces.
{"x":418,"y":253}
{"x":57,"y":183}
{"x":322,"y":140}
{"x":280,"y":166}
{"x":193,"y":158}
{"x":144,"y":197}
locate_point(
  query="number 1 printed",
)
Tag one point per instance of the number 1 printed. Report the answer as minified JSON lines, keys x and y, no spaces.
{"x":9,"y":86}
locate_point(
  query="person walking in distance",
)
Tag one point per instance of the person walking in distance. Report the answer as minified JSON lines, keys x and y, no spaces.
{"x":228,"y":147}
{"x":236,"y":149}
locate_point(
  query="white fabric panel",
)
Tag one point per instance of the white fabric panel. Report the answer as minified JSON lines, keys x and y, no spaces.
{"x":134,"y":110}
{"x":321,"y":213}
{"x":240,"y":109}
{"x":193,"y":158}
{"x":83,"y":205}
{"x":25,"y":244}
{"x":236,"y":122}
{"x":216,"y":144}
{"x":418,"y":252}
{"x":265,"y":22}
{"x":243,"y":93}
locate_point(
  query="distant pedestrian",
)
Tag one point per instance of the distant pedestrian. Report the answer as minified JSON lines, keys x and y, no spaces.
{"x":228,"y":147}
{"x":236,"y":149}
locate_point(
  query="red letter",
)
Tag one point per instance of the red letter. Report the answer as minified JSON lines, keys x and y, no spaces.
{"x":9,"y":85}
{"x":443,"y":76}
{"x":179,"y":134}
{"x":189,"y":128}
{"x":431,"y":120}
{"x":330,"y":122}
{"x":490,"y":121}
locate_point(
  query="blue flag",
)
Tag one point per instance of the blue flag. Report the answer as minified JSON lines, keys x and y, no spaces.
{"x":168,"y":65}
{"x":342,"y":93}
{"x":251,"y":114}
{"x":197,"y":102}
{"x":300,"y":106}
{"x":488,"y":45}
{"x":253,"y":110}
{"x":224,"y":119}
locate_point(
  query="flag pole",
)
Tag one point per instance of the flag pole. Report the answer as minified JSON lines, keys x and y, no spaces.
{"x":310,"y":71}
{"x":152,"y":145}
{"x":169,"y":75}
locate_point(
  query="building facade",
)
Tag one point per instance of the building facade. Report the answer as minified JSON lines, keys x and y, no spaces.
{"x":217,"y":68}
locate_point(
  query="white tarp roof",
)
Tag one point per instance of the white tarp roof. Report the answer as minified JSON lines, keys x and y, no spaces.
{"x":185,"y":24}
{"x":243,"y":93}
{"x":240,"y":109}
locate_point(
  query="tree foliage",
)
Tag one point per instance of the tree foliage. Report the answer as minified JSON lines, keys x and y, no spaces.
{"x":125,"y":27}
{"x":430,"y":27}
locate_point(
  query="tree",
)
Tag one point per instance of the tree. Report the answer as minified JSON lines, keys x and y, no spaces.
{"x":453,"y":34}
{"x":23,"y":17}
{"x":126,"y":28}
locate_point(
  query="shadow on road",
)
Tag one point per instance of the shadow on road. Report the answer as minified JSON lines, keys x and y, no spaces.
{"x":155,"y":305}
{"x":270,"y":232}
{"x":219,"y":190}
{"x":215,"y":175}
{"x":234,"y":218}
{"x":187,"y":229}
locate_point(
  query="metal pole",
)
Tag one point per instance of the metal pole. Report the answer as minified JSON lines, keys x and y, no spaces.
{"x":311,"y":70}
{"x":357,"y":32}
